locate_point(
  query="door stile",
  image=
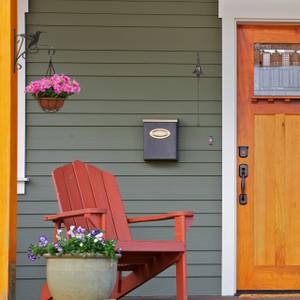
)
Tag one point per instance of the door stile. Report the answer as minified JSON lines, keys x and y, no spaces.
{"x":244,"y":113}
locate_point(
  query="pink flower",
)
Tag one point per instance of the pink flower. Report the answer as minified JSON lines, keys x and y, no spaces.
{"x":57,"y":88}
{"x":33,"y":87}
{"x":45,"y":84}
{"x":66,"y":78}
{"x":53,"y":86}
{"x":67,"y":88}
{"x":56,"y":79}
{"x":76,"y":87}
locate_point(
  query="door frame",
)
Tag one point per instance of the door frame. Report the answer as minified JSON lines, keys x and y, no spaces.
{"x":233,"y":13}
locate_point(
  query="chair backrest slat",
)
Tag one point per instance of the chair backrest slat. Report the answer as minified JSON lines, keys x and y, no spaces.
{"x":79,"y":185}
{"x":67,"y":190}
{"x":101,"y":198}
{"x":116,"y":206}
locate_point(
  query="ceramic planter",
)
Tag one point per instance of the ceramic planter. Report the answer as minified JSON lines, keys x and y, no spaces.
{"x":49,"y":104}
{"x":77,"y":278}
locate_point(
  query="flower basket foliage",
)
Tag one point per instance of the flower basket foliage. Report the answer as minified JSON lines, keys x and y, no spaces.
{"x":51,"y":91}
{"x":76,"y":242}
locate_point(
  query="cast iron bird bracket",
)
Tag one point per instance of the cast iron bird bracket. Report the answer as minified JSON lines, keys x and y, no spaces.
{"x":31,"y":40}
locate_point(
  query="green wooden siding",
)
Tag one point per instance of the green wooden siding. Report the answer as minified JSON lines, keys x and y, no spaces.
{"x":134,"y":60}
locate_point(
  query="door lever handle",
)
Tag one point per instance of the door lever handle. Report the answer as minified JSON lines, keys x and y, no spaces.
{"x":243,"y":173}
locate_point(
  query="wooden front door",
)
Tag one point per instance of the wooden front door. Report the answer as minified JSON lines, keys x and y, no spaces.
{"x":269,"y":124}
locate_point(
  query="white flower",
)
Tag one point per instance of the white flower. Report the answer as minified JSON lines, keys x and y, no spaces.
{"x":71,"y":231}
{"x":81,"y":244}
{"x":79,"y":236}
{"x":96,"y":240}
{"x":99,"y":236}
{"x":58,"y":235}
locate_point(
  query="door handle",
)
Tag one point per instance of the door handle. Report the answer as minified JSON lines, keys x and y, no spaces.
{"x":243,"y":173}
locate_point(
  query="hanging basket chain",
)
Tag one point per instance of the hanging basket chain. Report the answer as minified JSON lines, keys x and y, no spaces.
{"x":50,"y":70}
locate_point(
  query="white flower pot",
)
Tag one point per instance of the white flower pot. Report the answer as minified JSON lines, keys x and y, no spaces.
{"x":78,"y":278}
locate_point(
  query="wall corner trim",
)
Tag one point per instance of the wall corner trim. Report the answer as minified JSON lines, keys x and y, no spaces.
{"x":22,"y":10}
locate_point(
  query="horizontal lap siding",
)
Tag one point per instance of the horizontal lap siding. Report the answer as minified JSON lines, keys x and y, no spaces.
{"x":134,"y":60}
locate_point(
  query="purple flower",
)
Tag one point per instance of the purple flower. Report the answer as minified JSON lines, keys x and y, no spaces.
{"x":58,"y":248}
{"x":30,"y":255}
{"x":80,"y":233}
{"x":95,"y":232}
{"x":80,"y":230}
{"x":43,"y":241}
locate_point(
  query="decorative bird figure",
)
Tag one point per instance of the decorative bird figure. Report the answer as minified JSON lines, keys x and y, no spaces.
{"x":33,"y":40}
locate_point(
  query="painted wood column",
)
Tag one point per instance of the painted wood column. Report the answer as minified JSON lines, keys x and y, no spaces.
{"x":8,"y":147}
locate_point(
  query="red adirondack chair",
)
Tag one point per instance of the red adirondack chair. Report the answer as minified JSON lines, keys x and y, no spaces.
{"x":90,"y":197}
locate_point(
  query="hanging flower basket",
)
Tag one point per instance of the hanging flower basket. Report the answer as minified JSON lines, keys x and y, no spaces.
{"x":52,"y":91}
{"x":49,"y":104}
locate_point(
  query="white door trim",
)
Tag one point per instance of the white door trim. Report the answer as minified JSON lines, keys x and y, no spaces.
{"x":232,"y":12}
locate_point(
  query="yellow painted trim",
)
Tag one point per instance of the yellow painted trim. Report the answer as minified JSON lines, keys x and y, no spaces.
{"x":8,"y":153}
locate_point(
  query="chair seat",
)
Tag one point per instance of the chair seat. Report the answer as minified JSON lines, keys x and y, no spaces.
{"x":151,"y":246}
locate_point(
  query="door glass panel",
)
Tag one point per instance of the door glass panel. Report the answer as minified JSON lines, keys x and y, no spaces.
{"x":276,"y":69}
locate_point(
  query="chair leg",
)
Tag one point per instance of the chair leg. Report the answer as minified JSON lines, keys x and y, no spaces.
{"x":181,"y":282}
{"x":45,"y":293}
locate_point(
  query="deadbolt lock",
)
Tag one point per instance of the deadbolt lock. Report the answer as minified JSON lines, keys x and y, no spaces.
{"x":243,"y":151}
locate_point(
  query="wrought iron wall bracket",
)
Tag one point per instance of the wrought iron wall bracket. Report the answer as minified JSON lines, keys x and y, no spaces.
{"x":30,"y":42}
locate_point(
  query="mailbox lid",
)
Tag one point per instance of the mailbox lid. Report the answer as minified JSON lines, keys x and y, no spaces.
{"x":160,"y":139}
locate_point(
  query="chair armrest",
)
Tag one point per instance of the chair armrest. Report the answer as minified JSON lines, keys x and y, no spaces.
{"x":168,"y":216}
{"x":182,"y":220}
{"x":74,"y":213}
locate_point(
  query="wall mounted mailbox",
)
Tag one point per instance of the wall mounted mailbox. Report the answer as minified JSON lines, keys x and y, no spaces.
{"x":160,"y":139}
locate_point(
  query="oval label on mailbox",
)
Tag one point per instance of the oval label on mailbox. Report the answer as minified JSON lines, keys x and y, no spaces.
{"x":160,"y":133}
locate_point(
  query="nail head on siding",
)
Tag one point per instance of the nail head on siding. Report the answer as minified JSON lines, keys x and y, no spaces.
{"x":210,"y":140}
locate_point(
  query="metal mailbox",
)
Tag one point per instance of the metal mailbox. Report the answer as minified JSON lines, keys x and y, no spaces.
{"x":160,"y":139}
